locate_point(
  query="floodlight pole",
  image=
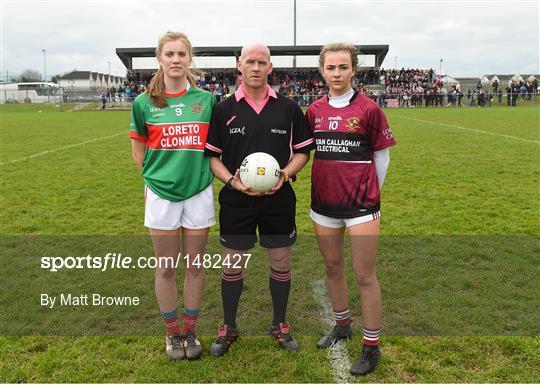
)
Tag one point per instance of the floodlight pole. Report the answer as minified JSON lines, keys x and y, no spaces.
{"x":45,"y":74}
{"x":109,"y":78}
{"x":294,"y":57}
{"x":440,"y":67}
{"x":44,"y":64}
{"x":5,"y":88}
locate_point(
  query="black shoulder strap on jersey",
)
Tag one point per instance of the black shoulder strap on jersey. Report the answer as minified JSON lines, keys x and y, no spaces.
{"x":354,"y":96}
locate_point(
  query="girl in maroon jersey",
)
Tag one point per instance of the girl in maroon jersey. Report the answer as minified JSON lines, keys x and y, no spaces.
{"x":349,"y":166}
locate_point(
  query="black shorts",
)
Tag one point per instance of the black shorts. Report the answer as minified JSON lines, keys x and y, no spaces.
{"x":274,"y":215}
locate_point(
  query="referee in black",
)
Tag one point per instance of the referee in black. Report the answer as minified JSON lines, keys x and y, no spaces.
{"x":257,"y":119}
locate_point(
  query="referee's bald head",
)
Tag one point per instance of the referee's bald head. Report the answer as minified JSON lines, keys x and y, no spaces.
{"x":255,"y":48}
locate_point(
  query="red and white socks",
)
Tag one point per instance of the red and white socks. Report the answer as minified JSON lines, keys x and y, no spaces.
{"x":189,"y":321}
{"x":342,"y":317}
{"x":371,"y":337}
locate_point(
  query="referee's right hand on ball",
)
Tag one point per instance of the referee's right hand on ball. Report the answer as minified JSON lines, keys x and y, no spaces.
{"x":283,"y":177}
{"x":237,"y":184}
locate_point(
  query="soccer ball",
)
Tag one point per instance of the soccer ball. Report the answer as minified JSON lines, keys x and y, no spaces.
{"x":260,"y":171}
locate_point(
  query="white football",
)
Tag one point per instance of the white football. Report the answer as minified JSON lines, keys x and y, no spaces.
{"x":260,"y":171}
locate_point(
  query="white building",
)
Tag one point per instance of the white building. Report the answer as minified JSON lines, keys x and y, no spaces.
{"x":88,"y":80}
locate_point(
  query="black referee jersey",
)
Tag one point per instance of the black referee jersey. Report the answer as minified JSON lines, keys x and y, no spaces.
{"x":237,"y":130}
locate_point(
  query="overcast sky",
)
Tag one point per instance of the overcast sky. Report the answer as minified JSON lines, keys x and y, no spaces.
{"x":472,"y":37}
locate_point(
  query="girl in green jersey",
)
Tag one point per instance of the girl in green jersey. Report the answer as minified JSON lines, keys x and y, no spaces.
{"x":168,"y":130}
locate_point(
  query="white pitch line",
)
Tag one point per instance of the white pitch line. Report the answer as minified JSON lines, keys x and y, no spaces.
{"x":469,"y":129}
{"x":337,"y":354}
{"x":62,"y":148}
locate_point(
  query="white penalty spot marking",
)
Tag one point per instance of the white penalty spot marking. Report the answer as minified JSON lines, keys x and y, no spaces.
{"x":62,"y":148}
{"x":468,"y":129}
{"x":337,"y":354}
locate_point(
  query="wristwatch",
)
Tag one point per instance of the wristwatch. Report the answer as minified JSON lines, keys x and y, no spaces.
{"x":229,"y":183}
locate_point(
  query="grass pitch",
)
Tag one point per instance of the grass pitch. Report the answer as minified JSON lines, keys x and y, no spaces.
{"x":458,"y":259}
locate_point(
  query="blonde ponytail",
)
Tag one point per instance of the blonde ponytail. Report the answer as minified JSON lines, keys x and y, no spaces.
{"x":192,"y":76}
{"x":156,"y":89}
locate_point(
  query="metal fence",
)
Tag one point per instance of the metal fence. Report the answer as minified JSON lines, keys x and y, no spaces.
{"x":385,"y":100}
{"x":15,"y":96}
{"x":98,"y":99}
{"x":452,"y":100}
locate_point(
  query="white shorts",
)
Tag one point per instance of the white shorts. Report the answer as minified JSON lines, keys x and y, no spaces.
{"x":194,"y":213}
{"x":337,"y":223}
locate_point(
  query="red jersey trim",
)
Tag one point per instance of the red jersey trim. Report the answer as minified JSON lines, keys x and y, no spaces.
{"x":136,"y":136}
{"x":175,"y":95}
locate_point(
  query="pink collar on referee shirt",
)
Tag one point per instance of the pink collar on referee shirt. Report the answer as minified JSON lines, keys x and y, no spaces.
{"x":239,"y":94}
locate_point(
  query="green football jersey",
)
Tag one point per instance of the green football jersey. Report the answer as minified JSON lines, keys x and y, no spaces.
{"x":174,"y":165}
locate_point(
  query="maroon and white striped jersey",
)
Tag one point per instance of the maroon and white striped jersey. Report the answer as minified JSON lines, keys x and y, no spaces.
{"x":343,"y":177}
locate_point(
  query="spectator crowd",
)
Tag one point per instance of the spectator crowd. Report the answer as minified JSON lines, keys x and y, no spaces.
{"x":396,"y":87}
